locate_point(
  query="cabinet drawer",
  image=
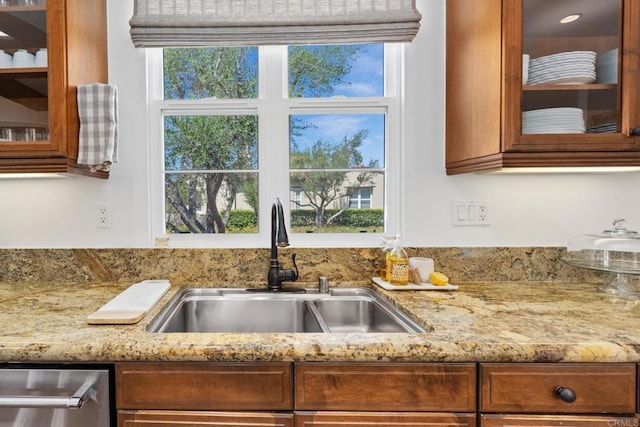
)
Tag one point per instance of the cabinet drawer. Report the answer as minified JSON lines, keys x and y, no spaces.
{"x":557,"y":421}
{"x":383,"y":419}
{"x":394,"y":387}
{"x":199,"y":418}
{"x":531,"y":387}
{"x":204,"y":386}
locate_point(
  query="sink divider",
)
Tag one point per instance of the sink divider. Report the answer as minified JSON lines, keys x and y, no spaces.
{"x":323,"y":325}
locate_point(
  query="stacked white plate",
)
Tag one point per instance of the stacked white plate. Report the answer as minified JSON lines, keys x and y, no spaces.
{"x":553,"y":120}
{"x":575,"y":67}
{"x":603,"y":128}
{"x":607,"y":67}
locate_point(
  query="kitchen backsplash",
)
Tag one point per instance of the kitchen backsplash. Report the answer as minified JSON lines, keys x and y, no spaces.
{"x":239,"y":267}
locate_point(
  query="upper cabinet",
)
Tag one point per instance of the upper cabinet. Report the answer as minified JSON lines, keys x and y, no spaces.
{"x":525,"y":90}
{"x":49,"y":47}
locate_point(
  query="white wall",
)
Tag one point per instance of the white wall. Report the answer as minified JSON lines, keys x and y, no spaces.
{"x":529,"y":210}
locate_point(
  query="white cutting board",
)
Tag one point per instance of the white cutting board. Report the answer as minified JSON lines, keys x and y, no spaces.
{"x":131,"y":305}
{"x":414,"y":286}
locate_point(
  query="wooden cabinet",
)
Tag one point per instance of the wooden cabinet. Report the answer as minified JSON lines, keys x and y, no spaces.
{"x":204,"y":386}
{"x":486,"y":98}
{"x":386,"y":386}
{"x":384,"y":419}
{"x":262,"y":394}
{"x":496,"y":420}
{"x":321,"y":394}
{"x":533,"y":393}
{"x":38,"y":104}
{"x":202,"y":418}
{"x":418,"y":394}
{"x":175,"y":394}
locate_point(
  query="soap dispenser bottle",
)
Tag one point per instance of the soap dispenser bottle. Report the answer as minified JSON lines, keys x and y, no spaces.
{"x":398,"y":264}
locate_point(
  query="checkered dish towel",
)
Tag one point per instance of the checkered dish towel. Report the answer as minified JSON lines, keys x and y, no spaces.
{"x":98,"y":112}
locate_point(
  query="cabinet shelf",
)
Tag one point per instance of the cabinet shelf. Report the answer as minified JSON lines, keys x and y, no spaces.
{"x":22,"y":73}
{"x":551,"y":88}
{"x":9,"y":9}
{"x":15,"y":86}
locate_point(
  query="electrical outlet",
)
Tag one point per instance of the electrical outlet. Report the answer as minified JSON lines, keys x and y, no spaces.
{"x":470,"y":212}
{"x":483,"y":213}
{"x":103,"y":215}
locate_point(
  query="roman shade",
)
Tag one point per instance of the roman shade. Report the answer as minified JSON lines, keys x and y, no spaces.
{"x":175,"y":23}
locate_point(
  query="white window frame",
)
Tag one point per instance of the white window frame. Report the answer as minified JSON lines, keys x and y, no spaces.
{"x":273,"y":169}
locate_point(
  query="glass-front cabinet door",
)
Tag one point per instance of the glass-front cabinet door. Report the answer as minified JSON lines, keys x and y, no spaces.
{"x":47,"y":49}
{"x":24,"y":88}
{"x":572,"y":75}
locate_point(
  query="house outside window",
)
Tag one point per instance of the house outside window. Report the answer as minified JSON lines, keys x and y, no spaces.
{"x":360,"y":198}
{"x":296,"y":198}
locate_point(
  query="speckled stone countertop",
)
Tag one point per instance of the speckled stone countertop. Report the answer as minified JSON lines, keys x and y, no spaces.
{"x":521,"y":322}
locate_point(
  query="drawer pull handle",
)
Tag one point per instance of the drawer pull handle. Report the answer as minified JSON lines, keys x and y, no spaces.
{"x":566,"y":394}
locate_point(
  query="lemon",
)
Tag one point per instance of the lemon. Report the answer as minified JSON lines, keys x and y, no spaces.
{"x":438,"y":279}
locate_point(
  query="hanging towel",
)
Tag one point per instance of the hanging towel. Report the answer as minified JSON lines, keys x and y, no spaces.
{"x":98,"y":113}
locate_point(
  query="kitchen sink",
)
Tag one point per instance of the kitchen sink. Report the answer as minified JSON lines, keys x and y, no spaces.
{"x":207,"y":310}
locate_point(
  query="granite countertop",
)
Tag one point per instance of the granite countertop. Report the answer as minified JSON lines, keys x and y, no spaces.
{"x":491,"y":321}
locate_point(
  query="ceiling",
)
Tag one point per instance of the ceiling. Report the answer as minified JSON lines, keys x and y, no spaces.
{"x":599,"y":18}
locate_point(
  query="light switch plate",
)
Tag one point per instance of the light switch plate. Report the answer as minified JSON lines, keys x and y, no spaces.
{"x":471,"y":212}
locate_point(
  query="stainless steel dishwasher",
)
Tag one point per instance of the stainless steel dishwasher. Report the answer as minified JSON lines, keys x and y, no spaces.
{"x":56,"y":395}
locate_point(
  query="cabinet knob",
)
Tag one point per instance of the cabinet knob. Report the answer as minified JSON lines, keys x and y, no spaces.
{"x":566,"y":394}
{"x":635,"y":131}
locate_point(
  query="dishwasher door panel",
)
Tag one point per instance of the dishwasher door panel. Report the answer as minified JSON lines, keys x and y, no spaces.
{"x":44,"y":397}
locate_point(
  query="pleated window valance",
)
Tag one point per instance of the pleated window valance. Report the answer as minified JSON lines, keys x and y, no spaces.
{"x":174,"y":23}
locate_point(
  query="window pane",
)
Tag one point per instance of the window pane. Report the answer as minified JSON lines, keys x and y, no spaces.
{"x":324,"y":205}
{"x":211,"y":142}
{"x":336,"y":70}
{"x":224,"y":200}
{"x":337,"y":140}
{"x":360,"y":198}
{"x":211,"y":203}
{"x":221,"y":73}
{"x":337,"y":159}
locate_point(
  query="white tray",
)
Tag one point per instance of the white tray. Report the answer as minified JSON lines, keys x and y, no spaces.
{"x":413,"y":286}
{"x":130,"y":305}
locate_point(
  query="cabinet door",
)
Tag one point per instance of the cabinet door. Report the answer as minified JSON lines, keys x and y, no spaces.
{"x":39,"y":126}
{"x":383,"y":419}
{"x":582,"y":89}
{"x":24,"y":85}
{"x":199,"y":418}
{"x":204,"y":386}
{"x":556,"y":421}
{"x":392,"y":387}
{"x":538,"y":388}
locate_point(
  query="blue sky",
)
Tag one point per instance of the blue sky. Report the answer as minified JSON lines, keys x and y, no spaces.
{"x":333,"y":128}
{"x":366,"y":80}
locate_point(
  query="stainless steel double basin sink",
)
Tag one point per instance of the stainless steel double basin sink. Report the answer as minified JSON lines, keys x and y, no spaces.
{"x":207,"y":310}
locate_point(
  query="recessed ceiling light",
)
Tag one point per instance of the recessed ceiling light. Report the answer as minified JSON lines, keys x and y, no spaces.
{"x":571,"y":18}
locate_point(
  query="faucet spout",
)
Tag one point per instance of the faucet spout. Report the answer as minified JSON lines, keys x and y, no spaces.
{"x":279,"y":238}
